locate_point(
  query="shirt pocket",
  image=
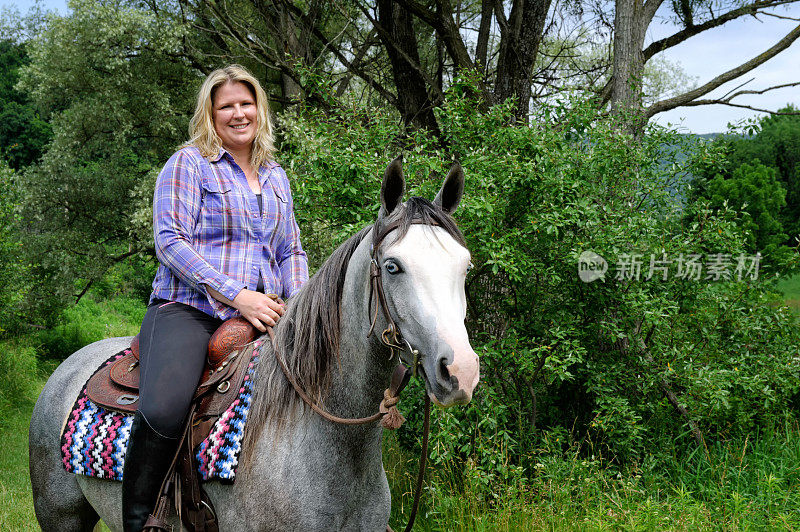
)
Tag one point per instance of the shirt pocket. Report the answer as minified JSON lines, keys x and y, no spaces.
{"x":217,"y":195}
{"x":275,"y":207}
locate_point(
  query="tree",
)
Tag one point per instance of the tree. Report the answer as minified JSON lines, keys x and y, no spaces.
{"x":119,"y":102}
{"x":14,"y":281}
{"x":773,"y":143}
{"x":461,"y":36}
{"x":23,"y":133}
{"x":631,"y":20}
{"x":755,"y":190}
{"x":776,"y":145}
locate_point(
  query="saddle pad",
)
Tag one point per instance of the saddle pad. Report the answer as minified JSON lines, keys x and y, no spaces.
{"x":94,"y":440}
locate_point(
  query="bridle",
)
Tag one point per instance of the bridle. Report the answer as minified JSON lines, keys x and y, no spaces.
{"x":391,"y":335}
{"x":388,"y":414}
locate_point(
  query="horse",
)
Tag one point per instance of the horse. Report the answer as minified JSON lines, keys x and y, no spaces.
{"x":300,"y":471}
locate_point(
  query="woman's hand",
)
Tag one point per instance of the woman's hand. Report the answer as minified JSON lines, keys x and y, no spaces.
{"x":257,"y":308}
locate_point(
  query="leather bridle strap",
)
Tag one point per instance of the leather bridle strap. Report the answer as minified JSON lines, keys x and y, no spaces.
{"x":390,"y":417}
{"x":391,"y":336}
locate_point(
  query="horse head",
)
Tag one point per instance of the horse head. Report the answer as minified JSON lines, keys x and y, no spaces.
{"x":422,"y":261}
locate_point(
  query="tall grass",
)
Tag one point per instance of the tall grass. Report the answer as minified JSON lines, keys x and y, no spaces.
{"x":20,"y":381}
{"x":752,"y":484}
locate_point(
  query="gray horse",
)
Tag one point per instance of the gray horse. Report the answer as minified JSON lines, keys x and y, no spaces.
{"x":300,"y":471}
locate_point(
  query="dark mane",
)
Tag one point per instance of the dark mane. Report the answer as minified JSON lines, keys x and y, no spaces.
{"x":308,"y":334}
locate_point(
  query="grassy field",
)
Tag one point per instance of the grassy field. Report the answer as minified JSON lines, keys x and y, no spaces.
{"x":743,"y":485}
{"x":790,"y":287}
{"x":25,"y":363}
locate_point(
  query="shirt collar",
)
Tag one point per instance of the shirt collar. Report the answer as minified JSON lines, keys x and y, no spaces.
{"x":268,"y":165}
{"x":218,"y":156}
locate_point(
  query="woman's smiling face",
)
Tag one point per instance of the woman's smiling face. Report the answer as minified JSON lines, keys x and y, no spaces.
{"x":235,"y":116}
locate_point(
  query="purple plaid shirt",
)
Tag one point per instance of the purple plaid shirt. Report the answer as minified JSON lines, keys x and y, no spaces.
{"x":208,"y":232}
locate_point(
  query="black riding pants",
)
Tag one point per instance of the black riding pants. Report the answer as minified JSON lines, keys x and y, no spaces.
{"x":173,"y":346}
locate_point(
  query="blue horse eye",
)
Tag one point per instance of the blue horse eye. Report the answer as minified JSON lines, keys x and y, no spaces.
{"x":392,"y":268}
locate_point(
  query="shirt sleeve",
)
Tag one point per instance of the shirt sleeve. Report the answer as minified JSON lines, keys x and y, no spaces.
{"x":292,"y":262}
{"x":176,"y":208}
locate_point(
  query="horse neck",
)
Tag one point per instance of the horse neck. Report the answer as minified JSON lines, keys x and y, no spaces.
{"x":364,"y":369}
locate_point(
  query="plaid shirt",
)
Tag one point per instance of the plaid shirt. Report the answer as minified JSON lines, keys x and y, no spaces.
{"x":208,"y":232}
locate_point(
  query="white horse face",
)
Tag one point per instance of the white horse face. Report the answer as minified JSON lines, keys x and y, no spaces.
{"x":423,"y":279}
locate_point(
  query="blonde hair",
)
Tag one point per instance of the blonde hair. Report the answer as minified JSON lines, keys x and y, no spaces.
{"x":201,"y":127}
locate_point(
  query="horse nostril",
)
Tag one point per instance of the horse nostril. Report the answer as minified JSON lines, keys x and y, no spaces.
{"x":444,"y":373}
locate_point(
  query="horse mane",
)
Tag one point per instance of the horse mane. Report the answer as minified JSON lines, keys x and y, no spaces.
{"x":308,"y":334}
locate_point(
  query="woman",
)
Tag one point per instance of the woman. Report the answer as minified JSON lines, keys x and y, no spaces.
{"x":225,"y":236}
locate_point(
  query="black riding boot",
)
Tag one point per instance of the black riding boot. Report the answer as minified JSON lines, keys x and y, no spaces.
{"x":146,"y":462}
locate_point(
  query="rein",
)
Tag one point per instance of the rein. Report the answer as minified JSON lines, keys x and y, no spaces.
{"x":389,"y":416}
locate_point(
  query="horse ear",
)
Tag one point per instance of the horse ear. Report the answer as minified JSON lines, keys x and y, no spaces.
{"x":394,"y":184}
{"x":452,"y":189}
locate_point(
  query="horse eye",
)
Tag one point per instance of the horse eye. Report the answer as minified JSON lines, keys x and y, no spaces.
{"x":392,"y":267}
{"x":470,"y":266}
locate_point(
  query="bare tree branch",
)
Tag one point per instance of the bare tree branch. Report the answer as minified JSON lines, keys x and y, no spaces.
{"x":685,"y":98}
{"x":377,"y":27}
{"x":784,"y":17}
{"x":740,"y":106}
{"x":649,"y":10}
{"x":349,"y":65}
{"x":368,"y":43}
{"x":677,"y":38}
{"x":739,"y":86}
{"x":442,"y":21}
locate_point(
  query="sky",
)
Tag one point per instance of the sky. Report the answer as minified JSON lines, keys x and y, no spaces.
{"x":713,"y":52}
{"x":702,"y":57}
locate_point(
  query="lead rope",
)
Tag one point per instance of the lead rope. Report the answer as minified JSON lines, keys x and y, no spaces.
{"x":390,"y":417}
{"x":423,"y":462}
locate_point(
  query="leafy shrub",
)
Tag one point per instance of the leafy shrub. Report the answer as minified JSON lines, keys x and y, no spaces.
{"x":89,"y":321}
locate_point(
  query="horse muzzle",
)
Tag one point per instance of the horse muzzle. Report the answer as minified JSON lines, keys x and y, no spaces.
{"x":454,"y":380}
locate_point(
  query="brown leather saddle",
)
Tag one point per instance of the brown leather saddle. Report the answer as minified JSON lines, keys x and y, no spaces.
{"x":116,"y":386}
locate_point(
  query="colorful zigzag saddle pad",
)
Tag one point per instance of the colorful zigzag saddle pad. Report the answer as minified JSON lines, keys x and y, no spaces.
{"x":94,"y":440}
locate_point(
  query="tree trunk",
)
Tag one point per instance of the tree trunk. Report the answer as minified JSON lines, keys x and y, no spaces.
{"x":631,"y":19}
{"x":521,"y":36}
{"x":413,"y":101}
{"x":482,"y":46}
{"x":290,"y":89}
